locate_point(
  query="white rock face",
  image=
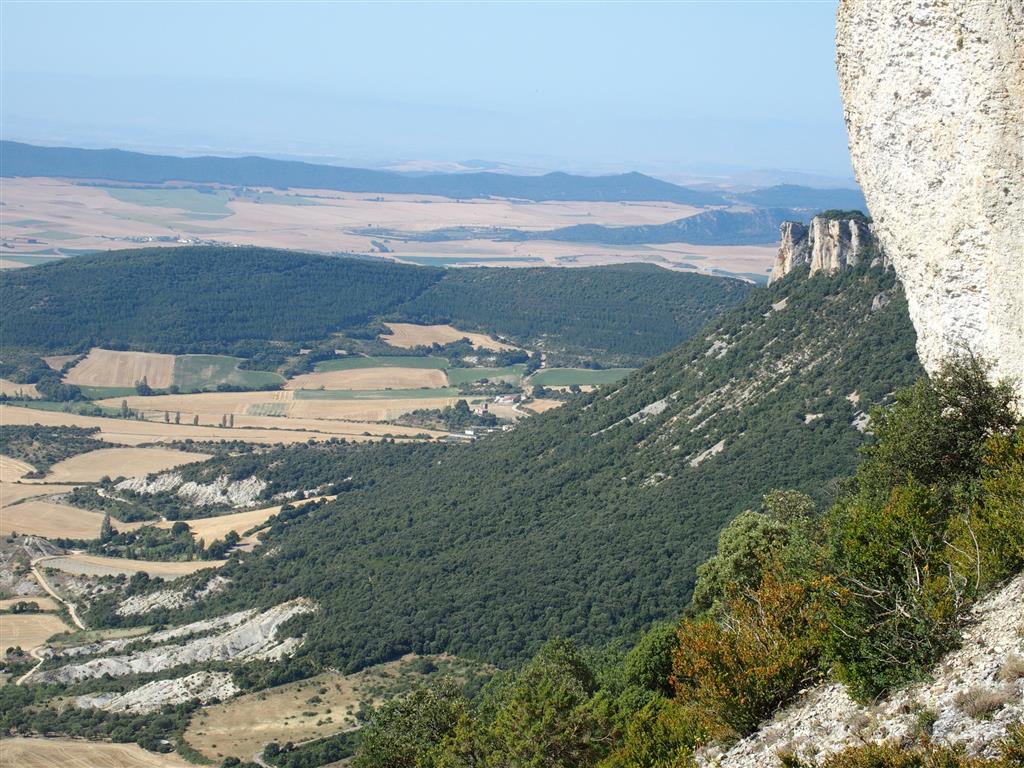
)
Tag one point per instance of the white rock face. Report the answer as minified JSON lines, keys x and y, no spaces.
{"x":827,"y":245}
{"x":238,"y":493}
{"x":933,"y":92}
{"x":205,"y":686}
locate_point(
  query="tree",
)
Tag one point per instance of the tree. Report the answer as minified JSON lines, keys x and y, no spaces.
{"x":167,"y":417}
{"x":195,"y":420}
{"x":177,"y":417}
{"x":142,"y":387}
{"x":124,"y":409}
{"x":106,"y":529}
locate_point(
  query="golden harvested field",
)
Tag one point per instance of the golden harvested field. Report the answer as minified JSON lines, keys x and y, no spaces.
{"x":28,"y":630}
{"x":14,"y":492}
{"x":108,"y":368}
{"x":39,"y":517}
{"x":12,"y":469}
{"x":56,"y":362}
{"x":13,"y":389}
{"x":96,"y":565}
{"x":541,"y":405}
{"x":44,"y":603}
{"x":249,"y":409}
{"x":119,"y":462}
{"x":371,"y":378}
{"x":74,"y":753}
{"x":132,"y":432}
{"x":211,"y":528}
{"x":245,"y":724}
{"x":407,"y":335}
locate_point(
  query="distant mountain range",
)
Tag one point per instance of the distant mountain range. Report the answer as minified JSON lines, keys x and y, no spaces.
{"x":19,"y":159}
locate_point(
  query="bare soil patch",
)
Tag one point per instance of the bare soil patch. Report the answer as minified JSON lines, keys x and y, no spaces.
{"x":408,"y":335}
{"x":96,"y":565}
{"x":371,"y":378}
{"x":73,"y":753}
{"x":119,"y":462}
{"x":11,"y":493}
{"x":28,"y":630}
{"x":109,"y":368}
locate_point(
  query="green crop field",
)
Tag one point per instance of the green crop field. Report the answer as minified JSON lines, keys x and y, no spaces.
{"x":397,"y":361}
{"x":190,"y":200}
{"x":99,"y":393}
{"x":564,"y":377}
{"x":207,"y":371}
{"x":510,"y":373}
{"x":374,"y":394}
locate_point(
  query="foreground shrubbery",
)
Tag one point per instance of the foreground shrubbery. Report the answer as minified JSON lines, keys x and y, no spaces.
{"x":872,"y":592}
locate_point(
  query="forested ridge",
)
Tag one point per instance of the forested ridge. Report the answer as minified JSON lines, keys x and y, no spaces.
{"x":590,"y":521}
{"x":230,"y":300}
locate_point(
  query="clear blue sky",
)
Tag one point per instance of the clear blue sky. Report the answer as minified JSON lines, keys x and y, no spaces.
{"x":575,"y":85}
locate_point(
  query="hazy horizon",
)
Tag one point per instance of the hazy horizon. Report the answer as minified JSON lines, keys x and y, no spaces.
{"x":714,"y":90}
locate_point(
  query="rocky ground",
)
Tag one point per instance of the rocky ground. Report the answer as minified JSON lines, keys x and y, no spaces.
{"x":970,"y":698}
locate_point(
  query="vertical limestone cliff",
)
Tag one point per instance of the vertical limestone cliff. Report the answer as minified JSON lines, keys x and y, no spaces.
{"x":933,"y":93}
{"x":827,"y":245}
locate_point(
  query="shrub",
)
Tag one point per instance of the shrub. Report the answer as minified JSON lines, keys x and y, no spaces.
{"x":739,"y":670}
{"x":661,"y":735}
{"x":649,"y":664}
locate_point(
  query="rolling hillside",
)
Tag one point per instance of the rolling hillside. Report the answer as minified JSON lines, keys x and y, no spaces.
{"x":587,"y":522}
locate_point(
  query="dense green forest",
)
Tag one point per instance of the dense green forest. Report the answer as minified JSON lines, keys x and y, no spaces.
{"x":233,"y":300}
{"x":630,"y":312}
{"x":869,"y":592}
{"x":590,"y":521}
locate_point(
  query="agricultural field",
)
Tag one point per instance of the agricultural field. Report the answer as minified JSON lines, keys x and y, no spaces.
{"x":14,"y":389}
{"x":64,"y":218}
{"x":44,"y":603}
{"x":398,"y":361}
{"x":370,"y":378}
{"x":57,"y":362}
{"x":207,"y":371}
{"x":119,"y":462}
{"x":28,"y":630}
{"x":512,"y":374}
{"x":40,"y":517}
{"x":110,"y":373}
{"x":376,"y":394}
{"x":308,"y":709}
{"x":110,"y":368}
{"x":75,"y":753}
{"x":409,"y":335}
{"x":96,"y":565}
{"x":563,"y":377}
{"x":261,"y":430}
{"x":12,"y":469}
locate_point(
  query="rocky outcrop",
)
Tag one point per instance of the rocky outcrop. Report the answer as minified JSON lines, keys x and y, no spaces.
{"x":970,"y":699}
{"x":827,"y":245}
{"x":933,"y":93}
{"x":204,"y":686}
{"x":250,"y":636}
{"x":233,"y":493}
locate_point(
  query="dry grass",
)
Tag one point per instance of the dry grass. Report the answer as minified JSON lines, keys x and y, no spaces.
{"x":56,"y":362}
{"x":371,"y":378}
{"x":119,"y":462}
{"x":247,"y":723}
{"x":1012,"y":669}
{"x":108,"y":368}
{"x":541,"y":405}
{"x":95,"y":565}
{"x":368,"y":410}
{"x":12,"y":469}
{"x":212,"y":528}
{"x":28,"y":630}
{"x":39,"y":517}
{"x":980,"y":702}
{"x":44,"y":603}
{"x":408,"y":335}
{"x":69,"y":753}
{"x":13,"y":389}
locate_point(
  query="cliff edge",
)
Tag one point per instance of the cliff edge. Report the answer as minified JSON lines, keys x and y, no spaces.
{"x":933,"y":93}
